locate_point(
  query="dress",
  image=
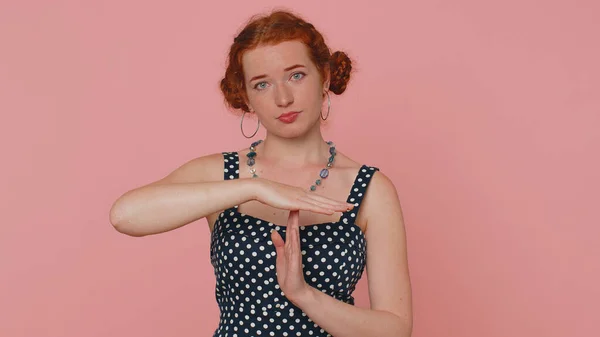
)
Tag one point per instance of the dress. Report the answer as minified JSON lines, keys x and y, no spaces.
{"x":243,"y":257}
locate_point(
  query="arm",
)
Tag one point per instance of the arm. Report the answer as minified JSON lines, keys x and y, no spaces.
{"x":197,"y":190}
{"x":387,"y":268}
{"x":187,"y":194}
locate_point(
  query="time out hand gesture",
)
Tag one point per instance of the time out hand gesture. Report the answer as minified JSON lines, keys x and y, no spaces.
{"x":294,"y":198}
{"x":290,"y":274}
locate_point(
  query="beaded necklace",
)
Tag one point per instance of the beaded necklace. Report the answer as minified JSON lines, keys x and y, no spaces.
{"x":323,"y":174}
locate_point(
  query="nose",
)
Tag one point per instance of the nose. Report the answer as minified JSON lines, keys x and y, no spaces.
{"x":283,"y":96}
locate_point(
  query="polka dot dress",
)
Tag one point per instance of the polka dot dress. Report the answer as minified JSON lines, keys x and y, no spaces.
{"x":243,"y":256}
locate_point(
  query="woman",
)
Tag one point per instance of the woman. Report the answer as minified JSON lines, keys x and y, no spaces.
{"x":288,"y":243}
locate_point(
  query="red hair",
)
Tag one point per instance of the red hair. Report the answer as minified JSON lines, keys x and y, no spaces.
{"x":280,"y":26}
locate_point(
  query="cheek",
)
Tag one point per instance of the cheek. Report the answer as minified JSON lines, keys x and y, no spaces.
{"x":311,"y":91}
{"x":258,"y":99}
{"x":253,"y":96}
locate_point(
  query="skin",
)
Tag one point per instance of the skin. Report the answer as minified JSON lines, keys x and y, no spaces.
{"x":301,"y":88}
{"x":294,"y":154}
{"x":288,"y":162}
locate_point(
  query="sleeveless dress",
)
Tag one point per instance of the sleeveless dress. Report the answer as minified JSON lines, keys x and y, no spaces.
{"x":243,"y":257}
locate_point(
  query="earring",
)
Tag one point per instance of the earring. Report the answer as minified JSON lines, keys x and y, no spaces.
{"x":242,"y":126}
{"x":328,"y":106}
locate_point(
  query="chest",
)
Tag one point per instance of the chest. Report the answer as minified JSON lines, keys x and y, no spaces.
{"x":333,"y":255}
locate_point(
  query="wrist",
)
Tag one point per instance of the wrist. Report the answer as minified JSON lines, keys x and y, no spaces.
{"x":306,"y":298}
{"x":252,"y":187}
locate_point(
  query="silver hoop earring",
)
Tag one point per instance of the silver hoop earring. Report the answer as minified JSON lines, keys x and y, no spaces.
{"x":328,"y":106}
{"x":242,"y":126}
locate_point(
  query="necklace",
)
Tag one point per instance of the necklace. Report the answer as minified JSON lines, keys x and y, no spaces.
{"x":323,"y":174}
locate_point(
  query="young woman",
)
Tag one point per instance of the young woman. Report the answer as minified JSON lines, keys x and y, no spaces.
{"x":293,"y":220}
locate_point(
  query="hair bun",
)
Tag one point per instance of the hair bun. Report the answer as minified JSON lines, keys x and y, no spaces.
{"x":340,"y":66}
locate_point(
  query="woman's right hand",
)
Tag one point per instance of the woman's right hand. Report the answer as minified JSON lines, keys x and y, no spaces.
{"x":293,"y":198}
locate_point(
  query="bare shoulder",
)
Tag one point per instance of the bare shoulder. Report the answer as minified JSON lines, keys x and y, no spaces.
{"x":382,"y":198}
{"x":199,"y":169}
{"x":381,"y":185}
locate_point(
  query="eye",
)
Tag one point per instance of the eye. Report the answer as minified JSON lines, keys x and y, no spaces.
{"x":260,"y":85}
{"x":298,"y":75}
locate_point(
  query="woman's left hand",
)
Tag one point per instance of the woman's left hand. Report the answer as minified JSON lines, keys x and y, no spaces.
{"x":290,"y":274}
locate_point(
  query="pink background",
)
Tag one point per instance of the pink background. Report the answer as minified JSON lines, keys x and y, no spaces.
{"x":486,"y":115}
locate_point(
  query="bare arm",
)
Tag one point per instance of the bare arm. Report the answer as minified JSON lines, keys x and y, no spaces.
{"x":197,"y":190}
{"x":191,"y":192}
{"x":159,"y":208}
{"x":391,"y":313}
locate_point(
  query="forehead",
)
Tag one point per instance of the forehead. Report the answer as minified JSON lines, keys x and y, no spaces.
{"x":274,"y":58}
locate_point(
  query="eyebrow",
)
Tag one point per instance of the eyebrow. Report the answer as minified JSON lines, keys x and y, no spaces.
{"x":286,"y":69}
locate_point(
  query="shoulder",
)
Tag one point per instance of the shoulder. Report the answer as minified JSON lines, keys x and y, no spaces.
{"x":380,"y":201}
{"x":204,"y":168}
{"x":381,"y":184}
{"x":381,"y":197}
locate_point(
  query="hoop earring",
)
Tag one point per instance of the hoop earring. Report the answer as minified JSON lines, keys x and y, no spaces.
{"x":242,"y":126}
{"x":328,"y":106}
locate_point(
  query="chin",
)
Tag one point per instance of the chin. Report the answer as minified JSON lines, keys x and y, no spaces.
{"x":297,"y":130}
{"x":291,"y":133}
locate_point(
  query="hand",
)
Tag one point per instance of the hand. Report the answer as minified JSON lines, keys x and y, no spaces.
{"x":294,"y":198}
{"x":290,"y":274}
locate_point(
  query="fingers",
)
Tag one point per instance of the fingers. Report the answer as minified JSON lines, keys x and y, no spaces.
{"x":277,"y":240}
{"x":280,"y":250}
{"x":293,"y":218}
{"x":292,"y":224}
{"x":312,"y":207}
{"x":293,"y":236}
{"x":339,"y":205}
{"x":324,"y":207}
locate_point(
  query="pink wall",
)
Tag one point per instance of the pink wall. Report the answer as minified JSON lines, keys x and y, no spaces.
{"x":486,"y":116}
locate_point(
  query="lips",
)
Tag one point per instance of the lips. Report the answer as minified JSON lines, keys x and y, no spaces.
{"x":288,"y":114}
{"x":288,"y":117}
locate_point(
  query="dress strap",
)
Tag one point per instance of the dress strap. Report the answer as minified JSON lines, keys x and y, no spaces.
{"x":357,"y":192}
{"x":231,"y":168}
{"x":231,"y":165}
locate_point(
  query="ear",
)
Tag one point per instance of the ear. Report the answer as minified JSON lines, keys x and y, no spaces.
{"x":247,"y":102}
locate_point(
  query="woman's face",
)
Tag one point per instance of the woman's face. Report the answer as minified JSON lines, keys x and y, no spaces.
{"x":281,"y":79}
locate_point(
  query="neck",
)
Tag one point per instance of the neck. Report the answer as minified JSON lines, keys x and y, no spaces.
{"x":306,"y":150}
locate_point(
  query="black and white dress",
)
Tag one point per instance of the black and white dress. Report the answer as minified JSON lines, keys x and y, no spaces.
{"x":243,"y":256}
